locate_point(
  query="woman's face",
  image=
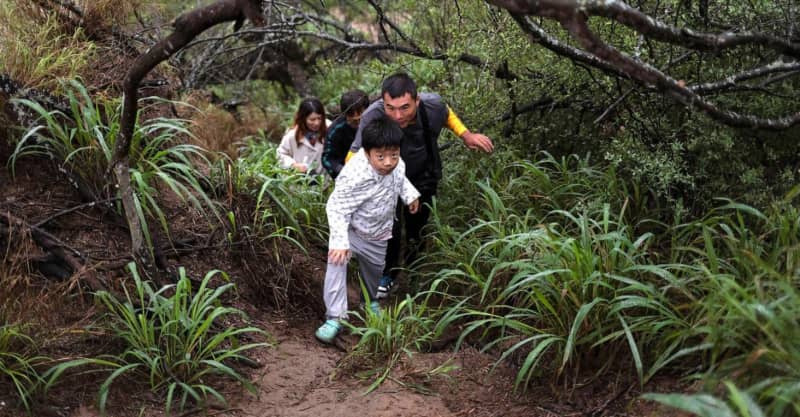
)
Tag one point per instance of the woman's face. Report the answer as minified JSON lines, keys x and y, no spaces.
{"x":314,"y":121}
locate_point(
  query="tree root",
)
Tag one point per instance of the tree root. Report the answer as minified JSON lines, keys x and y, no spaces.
{"x":62,"y":258}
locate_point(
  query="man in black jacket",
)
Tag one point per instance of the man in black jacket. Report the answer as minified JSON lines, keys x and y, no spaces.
{"x":422,"y":118}
{"x":342,"y":131}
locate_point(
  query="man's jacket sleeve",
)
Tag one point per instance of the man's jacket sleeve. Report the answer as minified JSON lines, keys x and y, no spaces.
{"x":454,"y":123}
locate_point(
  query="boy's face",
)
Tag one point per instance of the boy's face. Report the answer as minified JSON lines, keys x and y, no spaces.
{"x":384,"y":160}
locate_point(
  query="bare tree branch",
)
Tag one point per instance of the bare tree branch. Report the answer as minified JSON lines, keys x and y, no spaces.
{"x":573,"y":16}
{"x":732,"y":81}
{"x":648,"y":75}
{"x":633,"y":18}
{"x":383,"y":18}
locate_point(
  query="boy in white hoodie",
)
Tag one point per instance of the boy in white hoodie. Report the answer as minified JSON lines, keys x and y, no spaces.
{"x":361,"y":215}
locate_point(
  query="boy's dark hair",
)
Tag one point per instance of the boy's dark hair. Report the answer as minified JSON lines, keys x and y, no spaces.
{"x":353,"y":101}
{"x":398,"y":84}
{"x":381,"y":132}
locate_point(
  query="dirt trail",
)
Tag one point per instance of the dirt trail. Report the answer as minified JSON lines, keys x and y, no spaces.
{"x":296,"y":382}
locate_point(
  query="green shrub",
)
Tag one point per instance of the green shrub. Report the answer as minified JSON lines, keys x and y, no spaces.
{"x":286,"y":201}
{"x":176,"y":338}
{"x":82,"y":144}
{"x":18,"y":363}
{"x":403,"y":328}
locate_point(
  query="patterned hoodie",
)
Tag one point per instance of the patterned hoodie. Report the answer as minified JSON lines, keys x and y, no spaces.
{"x":365,"y":201}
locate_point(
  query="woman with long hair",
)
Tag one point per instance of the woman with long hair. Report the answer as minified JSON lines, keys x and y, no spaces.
{"x":302,"y":145}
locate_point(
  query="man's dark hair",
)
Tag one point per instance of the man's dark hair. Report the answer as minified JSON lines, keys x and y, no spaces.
{"x":381,"y":132}
{"x":353,"y":101}
{"x":398,"y":84}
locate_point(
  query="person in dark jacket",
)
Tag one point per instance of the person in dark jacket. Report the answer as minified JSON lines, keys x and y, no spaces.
{"x":422,"y":118}
{"x":342,"y":131}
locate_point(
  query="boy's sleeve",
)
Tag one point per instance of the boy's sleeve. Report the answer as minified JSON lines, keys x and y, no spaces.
{"x":408,"y":193}
{"x":347,"y":196}
{"x":284,"y":150}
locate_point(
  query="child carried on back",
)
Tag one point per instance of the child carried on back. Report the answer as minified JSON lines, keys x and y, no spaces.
{"x":360,"y":217}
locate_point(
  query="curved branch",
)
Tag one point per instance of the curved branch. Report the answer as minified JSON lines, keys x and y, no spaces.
{"x":731,"y":81}
{"x":187,"y":27}
{"x":646,"y":74}
{"x":640,"y":22}
{"x":538,"y":35}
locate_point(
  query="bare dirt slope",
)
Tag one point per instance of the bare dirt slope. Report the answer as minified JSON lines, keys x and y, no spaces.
{"x":298,"y":380}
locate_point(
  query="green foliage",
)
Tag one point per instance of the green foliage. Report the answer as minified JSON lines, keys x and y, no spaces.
{"x":403,"y":328}
{"x":291,"y":203}
{"x":178,"y":338}
{"x":561,"y":269}
{"x":82,"y":144}
{"x":739,"y":403}
{"x":560,"y":275}
{"x":671,"y":150}
{"x":18,"y":363}
{"x":748,"y":275}
{"x":340,"y":77}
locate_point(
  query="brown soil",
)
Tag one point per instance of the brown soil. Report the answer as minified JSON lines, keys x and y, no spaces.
{"x":299,"y":376}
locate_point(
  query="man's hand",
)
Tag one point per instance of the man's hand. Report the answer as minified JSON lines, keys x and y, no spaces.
{"x":413,"y":208}
{"x":338,"y":256}
{"x":477,"y":141}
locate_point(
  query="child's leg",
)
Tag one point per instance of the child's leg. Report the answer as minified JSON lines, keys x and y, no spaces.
{"x":335,"y":291}
{"x":393,"y":249}
{"x":371,"y":256}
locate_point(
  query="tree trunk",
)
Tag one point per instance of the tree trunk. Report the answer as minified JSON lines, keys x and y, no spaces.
{"x":187,"y":27}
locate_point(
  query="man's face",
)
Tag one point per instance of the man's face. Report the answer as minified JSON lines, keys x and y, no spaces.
{"x":384,"y":160}
{"x":353,"y":119}
{"x":402,"y":110}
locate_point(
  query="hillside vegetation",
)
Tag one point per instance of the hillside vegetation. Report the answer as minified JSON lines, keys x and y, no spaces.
{"x":618,"y":232}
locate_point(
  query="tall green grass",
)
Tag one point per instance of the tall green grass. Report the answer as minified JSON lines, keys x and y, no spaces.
{"x":81,"y":143}
{"x":738,"y":404}
{"x":18,"y":363}
{"x":748,"y":269}
{"x":177,"y":338}
{"x":286,"y":201}
{"x":563,"y":269}
{"x":399,"y":329}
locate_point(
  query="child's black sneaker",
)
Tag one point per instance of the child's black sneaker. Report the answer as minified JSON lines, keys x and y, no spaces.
{"x":384,"y":286}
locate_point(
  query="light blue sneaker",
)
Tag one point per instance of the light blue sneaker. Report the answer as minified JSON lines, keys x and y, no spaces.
{"x":328,"y":331}
{"x":384,"y":285}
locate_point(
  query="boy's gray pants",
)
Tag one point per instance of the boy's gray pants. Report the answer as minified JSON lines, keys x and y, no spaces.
{"x":371,"y":257}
